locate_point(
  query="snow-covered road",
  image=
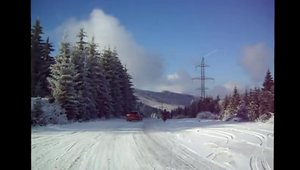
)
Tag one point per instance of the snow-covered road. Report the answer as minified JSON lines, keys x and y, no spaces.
{"x":153,"y":144}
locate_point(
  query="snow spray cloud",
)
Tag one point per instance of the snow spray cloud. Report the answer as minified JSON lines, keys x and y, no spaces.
{"x":256,"y":59}
{"x":226,"y":89}
{"x":145,"y":68}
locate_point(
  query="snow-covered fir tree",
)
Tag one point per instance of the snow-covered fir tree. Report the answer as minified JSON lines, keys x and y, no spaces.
{"x":112,"y":68}
{"x":100,"y":90}
{"x":40,"y":62}
{"x":225,"y":102}
{"x":88,"y":84}
{"x":127,"y":92}
{"x":253,"y":106}
{"x":83,"y":88}
{"x":193,"y":109}
{"x":242,"y":111}
{"x":48,"y":60}
{"x":217,"y":107}
{"x":266,"y":96}
{"x":242,"y":108}
{"x":62,"y":81}
{"x":225,"y":107}
{"x":235,"y":98}
{"x":232,"y":108}
{"x":268,"y":83}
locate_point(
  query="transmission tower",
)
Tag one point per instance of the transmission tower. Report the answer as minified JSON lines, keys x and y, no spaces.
{"x":202,"y":78}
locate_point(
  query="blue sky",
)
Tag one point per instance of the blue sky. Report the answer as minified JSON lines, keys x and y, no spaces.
{"x":167,"y":38}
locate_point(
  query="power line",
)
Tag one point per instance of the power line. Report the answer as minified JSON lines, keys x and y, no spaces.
{"x":202,"y":78}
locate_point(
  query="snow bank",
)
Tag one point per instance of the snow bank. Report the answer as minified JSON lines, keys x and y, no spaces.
{"x":206,"y":115}
{"x":43,"y":112}
{"x":271,"y":119}
{"x":268,"y":117}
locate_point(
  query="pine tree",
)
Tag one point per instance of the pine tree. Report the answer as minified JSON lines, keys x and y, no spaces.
{"x":62,"y":81}
{"x":192,"y":109}
{"x":112,"y":68}
{"x":224,"y":106}
{"x":36,"y":41}
{"x":266,"y":96}
{"x":83,"y":88}
{"x":232,"y":108}
{"x":236,"y":97}
{"x":127,"y":92}
{"x":40,"y":62}
{"x":100,"y":90}
{"x":216,"y":105}
{"x":225,"y":102}
{"x":242,"y":108}
{"x":206,"y":104}
{"x":45,"y":69}
{"x":120,"y":77}
{"x":266,"y":99}
{"x":268,"y":82}
{"x":253,"y":106}
{"x":246,"y":97}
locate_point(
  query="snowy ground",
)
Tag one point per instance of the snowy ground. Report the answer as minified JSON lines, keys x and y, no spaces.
{"x":153,"y":144}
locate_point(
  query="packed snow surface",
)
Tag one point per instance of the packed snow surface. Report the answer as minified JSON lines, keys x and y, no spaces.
{"x":153,"y":144}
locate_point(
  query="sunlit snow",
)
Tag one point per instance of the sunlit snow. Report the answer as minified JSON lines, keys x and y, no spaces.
{"x":153,"y":144}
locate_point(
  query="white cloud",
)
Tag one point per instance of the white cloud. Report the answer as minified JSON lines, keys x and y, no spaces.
{"x":180,"y":82}
{"x":145,"y":68}
{"x":256,"y":59}
{"x":172,"y":76}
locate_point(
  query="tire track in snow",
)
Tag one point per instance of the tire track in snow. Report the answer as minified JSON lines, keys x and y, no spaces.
{"x":61,"y":156}
{"x":229,"y":136}
{"x":161,"y":153}
{"x":217,"y":133}
{"x":251,"y":163}
{"x":210,"y":155}
{"x":37,"y":138}
{"x":140,"y":149}
{"x":259,"y":136}
{"x":256,"y":163}
{"x":257,"y":160}
{"x":265,"y":165}
{"x":45,"y":152}
{"x":78,"y":159}
{"x":91,"y":153}
{"x":186,"y":156}
{"x":156,"y":149}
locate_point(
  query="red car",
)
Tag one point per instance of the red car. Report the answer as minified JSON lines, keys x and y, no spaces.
{"x":133,"y":116}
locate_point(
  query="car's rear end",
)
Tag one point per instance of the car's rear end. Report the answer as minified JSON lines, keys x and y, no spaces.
{"x":133,"y":116}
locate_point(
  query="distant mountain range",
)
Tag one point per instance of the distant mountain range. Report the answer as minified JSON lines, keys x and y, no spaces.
{"x":163,"y":100}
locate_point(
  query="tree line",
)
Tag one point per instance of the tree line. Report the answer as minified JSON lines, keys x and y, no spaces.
{"x":87,"y":83}
{"x":249,"y":106}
